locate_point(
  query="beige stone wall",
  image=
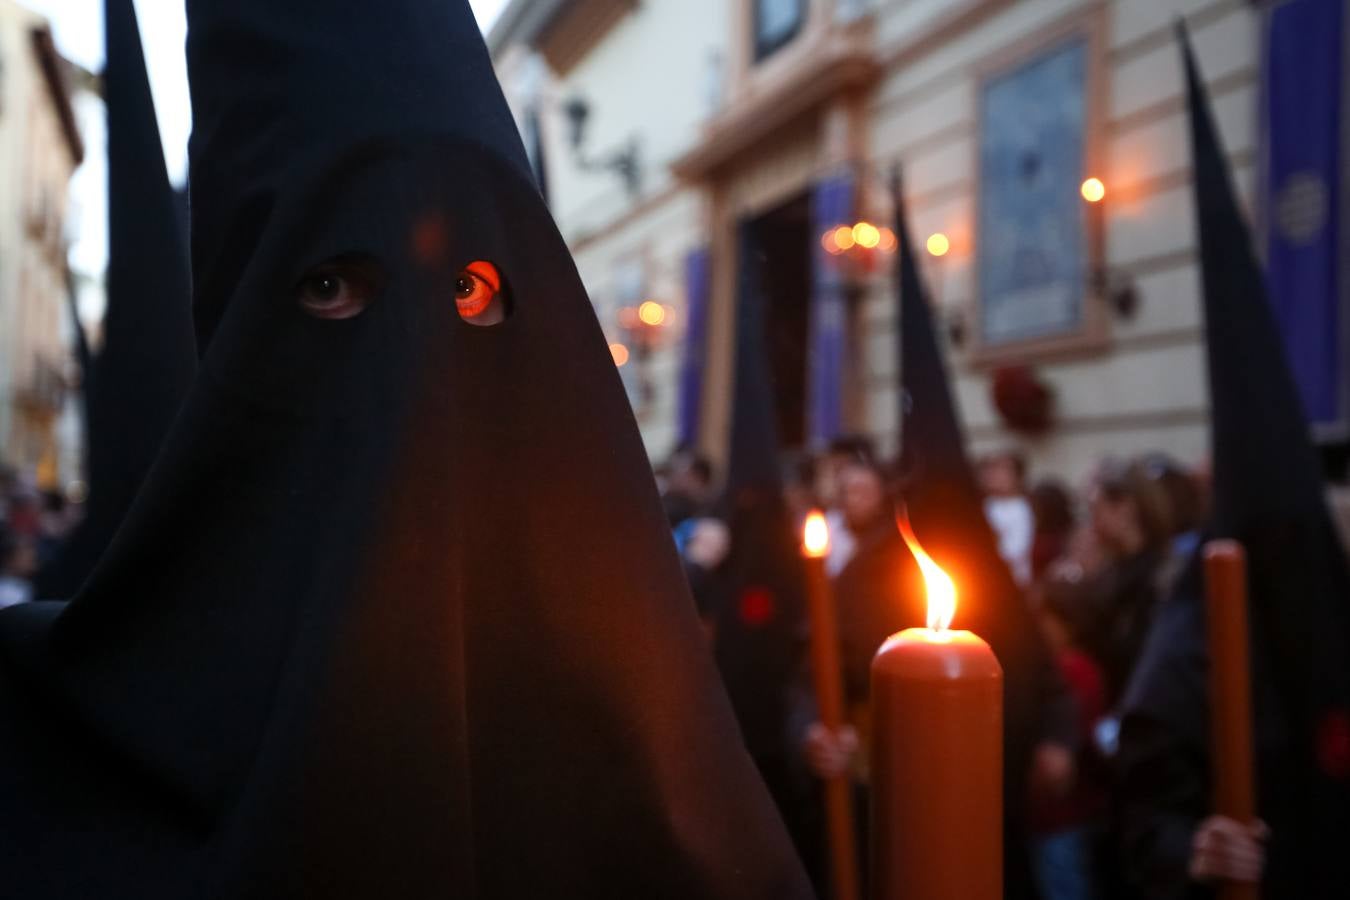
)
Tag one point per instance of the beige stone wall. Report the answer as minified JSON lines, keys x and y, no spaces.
{"x":1145,"y":389}
{"x":35,"y":168}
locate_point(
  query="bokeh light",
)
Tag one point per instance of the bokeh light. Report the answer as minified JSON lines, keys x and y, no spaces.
{"x":938,"y":245}
{"x":866,"y":235}
{"x":651,"y":313}
{"x":1093,"y":190}
{"x":619,"y":352}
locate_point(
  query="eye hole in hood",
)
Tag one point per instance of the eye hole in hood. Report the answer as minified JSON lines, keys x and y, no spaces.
{"x":341,"y":287}
{"x":478,"y":294}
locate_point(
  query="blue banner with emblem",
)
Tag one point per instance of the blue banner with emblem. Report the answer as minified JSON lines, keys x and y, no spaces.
{"x":697,"y":287}
{"x":832,"y":205}
{"x":1301,"y":104}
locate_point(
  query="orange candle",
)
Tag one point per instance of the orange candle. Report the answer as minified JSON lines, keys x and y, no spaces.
{"x":937,"y":757}
{"x":1230,"y":692}
{"x":827,"y":675}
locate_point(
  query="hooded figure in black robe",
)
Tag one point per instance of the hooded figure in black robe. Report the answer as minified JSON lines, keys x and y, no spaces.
{"x":397,"y":613}
{"x":1268,"y":494}
{"x":759,"y":628}
{"x":946,"y":511}
{"x":139,"y":378}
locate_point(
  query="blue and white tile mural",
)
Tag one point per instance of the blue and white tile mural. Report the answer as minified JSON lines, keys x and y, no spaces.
{"x":1032,"y":242}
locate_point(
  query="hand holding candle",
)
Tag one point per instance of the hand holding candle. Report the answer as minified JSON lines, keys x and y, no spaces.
{"x":937,"y":757}
{"x":827,"y":675}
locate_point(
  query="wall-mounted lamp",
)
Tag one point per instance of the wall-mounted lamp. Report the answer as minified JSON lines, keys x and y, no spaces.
{"x":623,"y":162}
{"x":1116,"y":289}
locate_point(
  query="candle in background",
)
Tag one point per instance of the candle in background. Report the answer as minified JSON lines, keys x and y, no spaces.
{"x":1230,"y":693}
{"x":937,"y":756}
{"x":827,"y":675}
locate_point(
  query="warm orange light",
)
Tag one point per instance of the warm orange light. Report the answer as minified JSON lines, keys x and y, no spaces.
{"x":941,"y":588}
{"x":888,"y":242}
{"x":866,"y":235}
{"x":651,"y":312}
{"x":843,"y":238}
{"x":827,"y":241}
{"x":619,"y":352}
{"x":816,"y":535}
{"x":938,"y":245}
{"x":1093,"y":190}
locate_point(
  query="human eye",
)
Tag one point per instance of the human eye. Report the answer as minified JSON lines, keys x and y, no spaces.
{"x":478,"y":294}
{"x":339,"y":288}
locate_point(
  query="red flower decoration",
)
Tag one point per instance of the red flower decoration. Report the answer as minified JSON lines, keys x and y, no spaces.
{"x":1025,"y":403}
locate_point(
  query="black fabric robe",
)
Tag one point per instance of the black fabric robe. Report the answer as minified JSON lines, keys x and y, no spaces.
{"x":1267,"y":494}
{"x":144,"y":368}
{"x":397,"y":613}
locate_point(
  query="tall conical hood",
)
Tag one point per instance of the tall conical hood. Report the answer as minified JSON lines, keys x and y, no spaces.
{"x":947,"y":513}
{"x":142,"y":372}
{"x":277,"y":86}
{"x":758,"y":632}
{"x":1267,"y":485}
{"x":398,"y":612}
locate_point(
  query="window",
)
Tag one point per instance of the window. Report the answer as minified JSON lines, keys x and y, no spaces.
{"x":776,"y":22}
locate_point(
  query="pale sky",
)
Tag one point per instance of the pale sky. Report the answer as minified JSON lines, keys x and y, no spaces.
{"x":77,"y":26}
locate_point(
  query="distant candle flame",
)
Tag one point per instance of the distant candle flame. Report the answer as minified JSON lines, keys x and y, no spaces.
{"x":941,"y":588}
{"x":816,"y":535}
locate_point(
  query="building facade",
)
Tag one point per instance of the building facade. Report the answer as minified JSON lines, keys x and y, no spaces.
{"x":1046,"y":171}
{"x":40,"y":147}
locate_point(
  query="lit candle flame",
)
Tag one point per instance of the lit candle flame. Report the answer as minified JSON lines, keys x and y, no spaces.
{"x":816,"y":535}
{"x":941,"y":588}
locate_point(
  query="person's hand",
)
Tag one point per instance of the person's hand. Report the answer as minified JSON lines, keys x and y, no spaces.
{"x":1227,"y":850}
{"x":1053,"y":770}
{"x":830,"y":753}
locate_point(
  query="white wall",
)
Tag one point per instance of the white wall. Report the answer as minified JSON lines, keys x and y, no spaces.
{"x":647,"y":78}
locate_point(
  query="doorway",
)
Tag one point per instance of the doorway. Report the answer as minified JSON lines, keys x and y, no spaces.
{"x":783,"y":272}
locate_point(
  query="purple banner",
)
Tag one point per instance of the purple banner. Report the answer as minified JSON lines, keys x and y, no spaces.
{"x":831,"y":205}
{"x":1301,"y":109}
{"x":697,"y":286}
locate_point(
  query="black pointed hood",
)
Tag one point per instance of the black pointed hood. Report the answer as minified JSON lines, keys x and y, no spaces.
{"x":757,"y":633}
{"x":398,"y":612}
{"x":1267,"y":486}
{"x":947,"y":514}
{"x":141,"y":374}
{"x":277,"y":86}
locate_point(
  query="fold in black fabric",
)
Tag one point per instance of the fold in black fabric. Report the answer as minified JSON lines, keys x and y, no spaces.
{"x":397,"y":613}
{"x":141,"y":374}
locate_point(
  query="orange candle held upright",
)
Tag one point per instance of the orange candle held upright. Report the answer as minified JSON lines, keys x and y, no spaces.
{"x":937,"y":757}
{"x":827,"y":675}
{"x":1230,"y":693}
